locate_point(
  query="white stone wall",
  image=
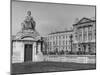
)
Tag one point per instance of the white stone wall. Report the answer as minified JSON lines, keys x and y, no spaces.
{"x":34,"y":58}
{"x":18,"y":52}
{"x":72,"y":58}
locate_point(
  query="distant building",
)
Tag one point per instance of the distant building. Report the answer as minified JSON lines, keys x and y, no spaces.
{"x":59,"y":41}
{"x":84,"y":35}
{"x":82,"y":38}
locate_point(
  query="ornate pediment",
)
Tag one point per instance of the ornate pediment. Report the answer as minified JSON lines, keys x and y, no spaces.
{"x":83,"y":20}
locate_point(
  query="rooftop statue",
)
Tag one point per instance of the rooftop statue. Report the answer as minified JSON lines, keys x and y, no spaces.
{"x":28,"y":22}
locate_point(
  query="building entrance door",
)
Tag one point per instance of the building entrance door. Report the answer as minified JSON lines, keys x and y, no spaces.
{"x":28,"y":52}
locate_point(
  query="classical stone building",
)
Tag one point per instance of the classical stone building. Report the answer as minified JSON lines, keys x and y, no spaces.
{"x":81,"y":39}
{"x":27,"y":44}
{"x":59,"y":41}
{"x":84,"y":36}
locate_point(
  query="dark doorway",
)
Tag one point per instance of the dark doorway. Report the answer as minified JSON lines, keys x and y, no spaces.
{"x":84,"y":49}
{"x":28,"y":52}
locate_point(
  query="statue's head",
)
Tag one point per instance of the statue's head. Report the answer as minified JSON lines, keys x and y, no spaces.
{"x":28,"y":13}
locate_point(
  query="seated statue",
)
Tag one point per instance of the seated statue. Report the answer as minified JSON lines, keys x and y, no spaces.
{"x":28,"y":23}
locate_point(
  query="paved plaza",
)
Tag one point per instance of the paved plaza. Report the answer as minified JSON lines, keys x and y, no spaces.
{"x":40,"y":67}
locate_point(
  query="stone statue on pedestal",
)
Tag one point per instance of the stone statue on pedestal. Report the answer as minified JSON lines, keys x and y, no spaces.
{"x":28,"y":28}
{"x":28,"y":42}
{"x":28,"y":23}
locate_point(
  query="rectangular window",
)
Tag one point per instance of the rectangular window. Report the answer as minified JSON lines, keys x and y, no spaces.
{"x":59,"y":42}
{"x":84,"y":34}
{"x":76,"y":36}
{"x":56,"y":38}
{"x":80,"y":35}
{"x":66,"y":42}
{"x":84,"y":37}
{"x":90,"y":33}
{"x":63,"y":42}
{"x":69,"y":47}
{"x":59,"y":37}
{"x":51,"y":37}
{"x":66,"y":47}
{"x":53,"y":43}
{"x":90,"y":36}
{"x":90,"y":28}
{"x":63,"y":36}
{"x":56,"y":42}
{"x":66,"y":36}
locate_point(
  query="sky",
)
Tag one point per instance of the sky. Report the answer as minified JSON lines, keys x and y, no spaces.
{"x":49,"y":17}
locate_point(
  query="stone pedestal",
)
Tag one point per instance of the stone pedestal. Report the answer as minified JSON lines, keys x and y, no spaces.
{"x":18,"y":54}
{"x":18,"y":46}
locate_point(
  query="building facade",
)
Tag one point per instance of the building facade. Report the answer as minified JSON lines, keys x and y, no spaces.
{"x":84,"y":36}
{"x":59,"y":41}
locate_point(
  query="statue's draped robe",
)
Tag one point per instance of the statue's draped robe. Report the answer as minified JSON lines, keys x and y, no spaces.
{"x":28,"y":28}
{"x":28,"y":23}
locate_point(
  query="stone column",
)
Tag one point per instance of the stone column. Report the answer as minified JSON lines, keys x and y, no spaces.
{"x":39,"y":48}
{"x":22,"y":52}
{"x":36,"y":47}
{"x":34,"y":52}
{"x":39,"y":54}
